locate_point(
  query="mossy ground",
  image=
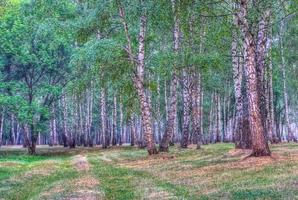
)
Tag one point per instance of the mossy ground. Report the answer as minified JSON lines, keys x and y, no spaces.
{"x":215,"y":172}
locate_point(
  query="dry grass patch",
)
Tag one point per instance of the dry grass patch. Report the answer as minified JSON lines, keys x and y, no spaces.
{"x":81,"y":163}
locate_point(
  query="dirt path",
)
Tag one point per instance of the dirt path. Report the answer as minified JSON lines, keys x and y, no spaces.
{"x":81,"y":163}
{"x":86,"y":186}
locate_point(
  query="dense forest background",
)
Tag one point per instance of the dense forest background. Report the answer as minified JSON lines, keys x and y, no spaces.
{"x":111,"y":72}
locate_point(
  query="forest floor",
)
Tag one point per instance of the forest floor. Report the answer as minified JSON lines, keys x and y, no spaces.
{"x":215,"y":172}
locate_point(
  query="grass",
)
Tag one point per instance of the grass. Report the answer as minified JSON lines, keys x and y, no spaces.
{"x":215,"y":172}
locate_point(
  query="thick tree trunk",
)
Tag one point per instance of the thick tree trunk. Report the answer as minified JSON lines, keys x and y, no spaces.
{"x":260,"y":66}
{"x":30,"y":138}
{"x":259,"y":144}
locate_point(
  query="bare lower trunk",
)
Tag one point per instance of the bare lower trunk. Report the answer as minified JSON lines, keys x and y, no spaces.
{"x":169,"y":131}
{"x":104,"y":122}
{"x":290,"y":134}
{"x":132,"y":132}
{"x":53,"y":136}
{"x":210,"y":131}
{"x":172,"y":112}
{"x":237,"y":75}
{"x":30,"y":138}
{"x":271,"y":119}
{"x":114,"y":130}
{"x":259,"y":143}
{"x":1,"y":125}
{"x":218,"y":119}
{"x":146,"y":117}
{"x":12,"y":129}
{"x":196,"y":98}
{"x":121,"y":133}
{"x":186,"y":109}
{"x":65,"y":129}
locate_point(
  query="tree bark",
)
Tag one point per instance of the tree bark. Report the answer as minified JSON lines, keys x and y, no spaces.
{"x":132,"y":132}
{"x":172,"y":112}
{"x":1,"y":125}
{"x":196,"y":113}
{"x":218,"y":118}
{"x":114,"y":130}
{"x":121,"y":125}
{"x":103,"y":112}
{"x":67,"y":134}
{"x":186,"y":109}
{"x":138,"y":78}
{"x":290,"y":134}
{"x":270,"y":118}
{"x":259,"y":144}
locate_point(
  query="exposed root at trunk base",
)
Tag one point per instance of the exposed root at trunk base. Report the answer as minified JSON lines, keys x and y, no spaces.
{"x":260,"y":153}
{"x":152,"y":151}
{"x":163,"y":149}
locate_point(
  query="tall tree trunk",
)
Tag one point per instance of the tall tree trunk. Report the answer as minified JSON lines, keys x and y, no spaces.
{"x":196,"y":113}
{"x":186,"y":109}
{"x":90,"y":117}
{"x":211,"y":112}
{"x":290,"y":134}
{"x":270,"y":122}
{"x":218,"y":118}
{"x":139,"y":84}
{"x":1,"y":125}
{"x":132,"y":131}
{"x":53,"y":136}
{"x":30,"y":138}
{"x":121,"y":125}
{"x":158,"y":111}
{"x":12,"y":129}
{"x":103,"y":113}
{"x":259,"y":144}
{"x":172,"y":112}
{"x":260,"y":65}
{"x":138,"y":77}
{"x":18,"y":133}
{"x":81,"y":124}
{"x":237,"y":75}
{"x":114,"y":130}
{"x":65,"y":129}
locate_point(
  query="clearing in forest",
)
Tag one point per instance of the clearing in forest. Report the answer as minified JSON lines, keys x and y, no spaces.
{"x":215,"y":172}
